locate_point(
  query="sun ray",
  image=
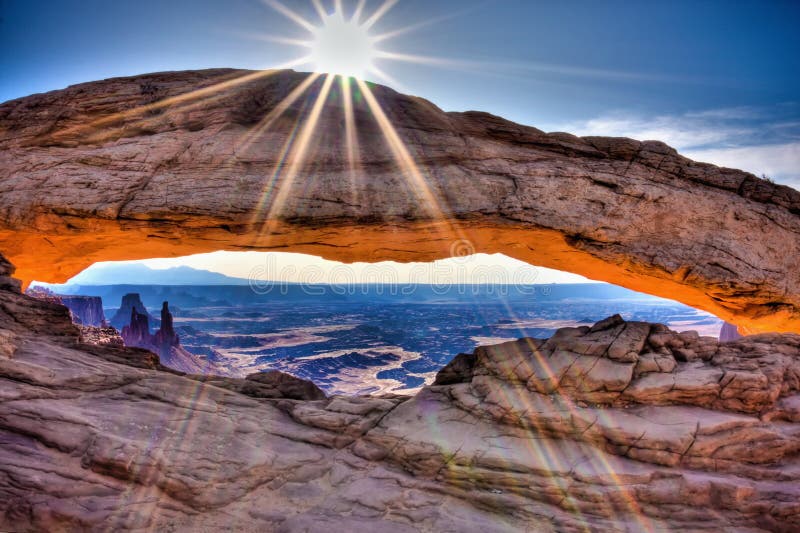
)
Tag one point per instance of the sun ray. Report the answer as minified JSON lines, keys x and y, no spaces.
{"x":429,"y":22}
{"x":574,"y":412}
{"x":379,"y":13}
{"x":176,"y":100}
{"x":426,"y":60}
{"x":272,"y":38}
{"x":268,"y":187}
{"x":291,"y":15}
{"x":401,"y":154}
{"x":351,"y":138}
{"x":320,"y":10}
{"x":387,"y":78}
{"x":274,"y":113}
{"x":450,"y":231}
{"x":297,"y":156}
{"x":359,"y":10}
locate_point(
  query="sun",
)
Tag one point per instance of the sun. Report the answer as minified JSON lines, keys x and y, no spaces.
{"x":342,"y":46}
{"x":341,"y":42}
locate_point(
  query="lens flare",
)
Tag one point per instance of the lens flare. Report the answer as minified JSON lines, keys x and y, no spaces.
{"x":342,"y":47}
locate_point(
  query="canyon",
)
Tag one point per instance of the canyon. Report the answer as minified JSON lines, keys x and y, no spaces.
{"x":615,"y":426}
{"x":623,"y":426}
{"x":175,"y":163}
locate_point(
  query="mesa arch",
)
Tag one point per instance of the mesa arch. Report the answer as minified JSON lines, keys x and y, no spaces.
{"x":176,"y":163}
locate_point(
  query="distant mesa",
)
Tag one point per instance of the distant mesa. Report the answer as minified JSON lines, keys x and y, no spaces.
{"x":137,"y":274}
{"x":137,"y":332}
{"x":123,"y":316}
{"x":729,"y":333}
{"x":85,"y":310}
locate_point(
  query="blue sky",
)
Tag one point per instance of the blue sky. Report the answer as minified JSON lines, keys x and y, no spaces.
{"x":719,"y":80}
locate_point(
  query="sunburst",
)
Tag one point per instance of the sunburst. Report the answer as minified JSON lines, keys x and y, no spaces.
{"x":342,"y":46}
{"x":341,"y":43}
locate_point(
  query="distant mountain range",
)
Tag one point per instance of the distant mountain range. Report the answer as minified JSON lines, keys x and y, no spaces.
{"x":138,"y":274}
{"x":232,"y":295}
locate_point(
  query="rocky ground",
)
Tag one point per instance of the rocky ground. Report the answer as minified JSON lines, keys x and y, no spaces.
{"x":623,"y":426}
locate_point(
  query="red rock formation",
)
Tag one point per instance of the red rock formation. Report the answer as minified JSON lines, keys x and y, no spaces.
{"x":44,"y":294}
{"x":165,"y":342}
{"x":622,"y":426}
{"x":166,"y":338}
{"x":729,"y":332}
{"x":86,"y":310}
{"x":91,"y":173}
{"x":123,"y":315}
{"x":137,"y":332}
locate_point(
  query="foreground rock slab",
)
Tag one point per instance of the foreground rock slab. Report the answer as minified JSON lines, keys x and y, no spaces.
{"x":624,"y":426}
{"x":178,"y":163}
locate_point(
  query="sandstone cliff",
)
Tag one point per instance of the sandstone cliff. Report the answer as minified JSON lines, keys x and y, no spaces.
{"x":86,"y":310}
{"x":622,"y":426}
{"x":729,"y":333}
{"x":183,"y":162}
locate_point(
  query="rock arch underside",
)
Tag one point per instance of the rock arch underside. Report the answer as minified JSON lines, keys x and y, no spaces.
{"x":178,"y":163}
{"x":621,"y":426}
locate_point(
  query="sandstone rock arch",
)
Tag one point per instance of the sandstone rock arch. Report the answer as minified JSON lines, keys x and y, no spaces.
{"x":175,"y":163}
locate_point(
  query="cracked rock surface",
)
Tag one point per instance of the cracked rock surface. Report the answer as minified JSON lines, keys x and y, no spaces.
{"x":177,"y":163}
{"x":624,"y":426}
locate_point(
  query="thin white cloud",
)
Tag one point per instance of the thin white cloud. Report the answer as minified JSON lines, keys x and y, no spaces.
{"x":751,"y":139}
{"x":781,"y":162}
{"x":574,"y":71}
{"x":727,"y":113}
{"x":683,"y":131}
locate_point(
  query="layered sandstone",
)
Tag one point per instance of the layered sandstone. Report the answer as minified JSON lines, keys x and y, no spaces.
{"x":86,"y":310}
{"x":622,"y":426}
{"x":177,"y":163}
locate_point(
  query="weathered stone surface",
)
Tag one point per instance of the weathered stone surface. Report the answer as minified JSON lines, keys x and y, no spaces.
{"x":271,"y":384}
{"x":86,"y":310}
{"x":101,"y":336}
{"x":177,"y":163}
{"x":459,"y":370}
{"x":749,"y":375}
{"x":106,"y":438}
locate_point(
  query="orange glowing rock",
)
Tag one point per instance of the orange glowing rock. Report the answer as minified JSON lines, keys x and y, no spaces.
{"x":172,"y":164}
